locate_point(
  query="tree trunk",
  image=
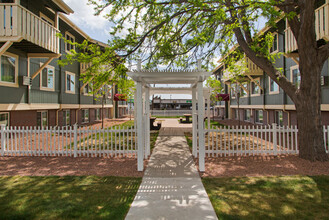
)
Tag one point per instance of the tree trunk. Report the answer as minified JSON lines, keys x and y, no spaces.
{"x":310,"y":133}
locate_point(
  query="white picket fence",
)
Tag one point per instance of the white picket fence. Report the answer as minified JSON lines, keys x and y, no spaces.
{"x":68,"y":141}
{"x":254,"y":140}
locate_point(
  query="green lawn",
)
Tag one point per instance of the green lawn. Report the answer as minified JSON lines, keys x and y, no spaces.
{"x":290,"y":197}
{"x":85,"y":197}
{"x":214,"y":124}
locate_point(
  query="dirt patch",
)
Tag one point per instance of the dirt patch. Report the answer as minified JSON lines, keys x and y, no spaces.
{"x":262,"y":166}
{"x":63,"y":166}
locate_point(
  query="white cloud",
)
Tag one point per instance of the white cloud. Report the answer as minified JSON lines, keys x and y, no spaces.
{"x":95,"y":26}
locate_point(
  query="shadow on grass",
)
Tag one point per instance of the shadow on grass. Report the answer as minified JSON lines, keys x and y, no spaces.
{"x":84,"y":197}
{"x":291,"y":197}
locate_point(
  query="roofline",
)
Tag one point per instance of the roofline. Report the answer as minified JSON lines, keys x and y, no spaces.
{"x":80,"y":31}
{"x":64,"y":6}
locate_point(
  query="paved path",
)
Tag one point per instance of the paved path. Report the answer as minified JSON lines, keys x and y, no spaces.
{"x":171,"y":187}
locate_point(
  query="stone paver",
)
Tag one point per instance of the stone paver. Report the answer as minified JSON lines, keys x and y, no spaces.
{"x":171,"y":187}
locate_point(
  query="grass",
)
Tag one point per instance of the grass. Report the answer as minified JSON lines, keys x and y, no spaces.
{"x":290,"y":197}
{"x":189,"y":141}
{"x":129,"y":123}
{"x":153,"y":137}
{"x":84,"y":197}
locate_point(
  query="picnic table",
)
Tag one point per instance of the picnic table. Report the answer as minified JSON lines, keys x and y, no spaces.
{"x":187,"y":118}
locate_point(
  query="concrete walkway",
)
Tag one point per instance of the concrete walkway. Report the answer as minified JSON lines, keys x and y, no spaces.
{"x":171,"y":187}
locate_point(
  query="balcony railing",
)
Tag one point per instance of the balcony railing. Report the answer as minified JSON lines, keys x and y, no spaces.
{"x":17,"y":21}
{"x":84,"y":66}
{"x":251,"y":69}
{"x":321,"y":28}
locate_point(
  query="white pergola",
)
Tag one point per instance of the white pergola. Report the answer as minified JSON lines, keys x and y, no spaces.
{"x":144,"y":79}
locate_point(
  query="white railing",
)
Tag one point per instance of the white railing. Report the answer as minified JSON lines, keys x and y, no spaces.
{"x":254,"y":140}
{"x":68,"y":141}
{"x":322,"y":22}
{"x":321,"y":28}
{"x":170,"y":112}
{"x":17,"y":21}
{"x":84,"y":66}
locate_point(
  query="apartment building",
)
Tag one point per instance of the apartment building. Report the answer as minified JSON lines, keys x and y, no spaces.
{"x":34,"y":89}
{"x":261,"y":100}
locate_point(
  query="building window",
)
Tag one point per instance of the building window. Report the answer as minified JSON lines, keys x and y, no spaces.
{"x":71,"y":38}
{"x":87,"y":90}
{"x":236,"y":114}
{"x":247,"y":114}
{"x":42,"y":119}
{"x":4,"y":118}
{"x":279,"y":118}
{"x":255,"y":89}
{"x":85,"y":115}
{"x":259,"y":116}
{"x":295,"y":76}
{"x":274,"y":87}
{"x":275,"y":45}
{"x":233,"y":90}
{"x":98,"y":114}
{"x":70,"y":82}
{"x":67,"y":117}
{"x":47,"y":78}
{"x":9,"y":68}
{"x":244,"y":89}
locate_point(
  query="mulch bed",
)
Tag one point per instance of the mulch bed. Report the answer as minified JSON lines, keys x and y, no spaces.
{"x":69,"y":166}
{"x":282,"y":165}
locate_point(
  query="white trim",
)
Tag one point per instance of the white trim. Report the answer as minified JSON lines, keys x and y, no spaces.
{"x":46,"y":88}
{"x":8,"y":116}
{"x":71,"y":36}
{"x":10,"y":84}
{"x":64,"y":113}
{"x":244,"y":114}
{"x":257,"y":122}
{"x":277,"y":43}
{"x":296,"y":67}
{"x":269,"y":87}
{"x":71,"y":74}
{"x":51,"y":22}
{"x":83,"y":116}
{"x":40,"y":106}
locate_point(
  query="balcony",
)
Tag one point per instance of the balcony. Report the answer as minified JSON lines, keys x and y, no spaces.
{"x":84,"y":67}
{"x":321,"y":28}
{"x":30,"y":32}
{"x":243,"y":68}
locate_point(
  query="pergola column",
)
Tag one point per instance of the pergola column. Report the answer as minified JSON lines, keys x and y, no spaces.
{"x":140,"y":130}
{"x":194,"y":124}
{"x":147,"y":122}
{"x":208,"y":108}
{"x":201,"y":127}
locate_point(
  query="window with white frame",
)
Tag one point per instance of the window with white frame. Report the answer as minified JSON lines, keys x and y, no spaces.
{"x":233,"y":90}
{"x":42,"y":119}
{"x":47,"y":78}
{"x":85,"y":115}
{"x":71,"y":38}
{"x":98,"y":114}
{"x":275,"y":44}
{"x":4,"y":118}
{"x":9,"y":68}
{"x":279,"y":118}
{"x":295,"y":76}
{"x":247,"y":114}
{"x":255,"y":89}
{"x":87,"y":90}
{"x":274,"y":87}
{"x":70,"y":82}
{"x":244,"y":89}
{"x":259,"y":116}
{"x":67,"y":117}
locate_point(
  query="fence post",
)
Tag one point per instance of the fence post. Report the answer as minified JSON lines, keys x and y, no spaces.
{"x":275,"y":144}
{"x":3,"y":127}
{"x":75,"y":126}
